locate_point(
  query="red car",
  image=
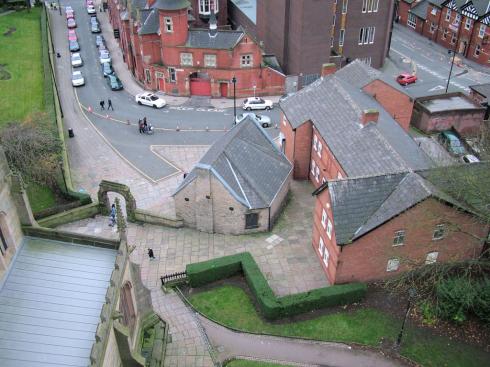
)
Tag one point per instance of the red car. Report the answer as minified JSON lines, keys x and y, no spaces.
{"x":72,"y":35}
{"x":405,"y":79}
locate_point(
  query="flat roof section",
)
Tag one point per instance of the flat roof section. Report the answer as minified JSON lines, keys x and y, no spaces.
{"x":247,"y":7}
{"x":449,"y":104}
{"x":50,"y":303}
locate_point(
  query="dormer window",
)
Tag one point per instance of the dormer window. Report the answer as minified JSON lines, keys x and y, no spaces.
{"x":169,"y":25}
{"x":206,"y":6}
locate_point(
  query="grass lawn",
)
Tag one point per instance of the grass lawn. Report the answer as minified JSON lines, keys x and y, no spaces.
{"x":40,"y":197}
{"x":247,"y":363}
{"x":231,"y":306}
{"x":20,"y":56}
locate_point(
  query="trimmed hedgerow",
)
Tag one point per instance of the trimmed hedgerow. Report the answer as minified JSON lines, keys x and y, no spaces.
{"x":272,"y":307}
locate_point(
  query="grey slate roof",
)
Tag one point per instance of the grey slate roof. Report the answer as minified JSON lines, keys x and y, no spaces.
{"x":247,"y":163}
{"x":171,"y":4}
{"x":335,"y":104}
{"x":437,"y":3}
{"x":202,"y":38}
{"x":151,"y":23}
{"x":481,"y":6}
{"x":483,"y":89}
{"x":420,"y":10}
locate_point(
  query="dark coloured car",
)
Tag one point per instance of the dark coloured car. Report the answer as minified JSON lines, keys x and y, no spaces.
{"x":107,"y":69}
{"x":74,"y":46}
{"x":99,"y":40}
{"x":114,"y":82}
{"x":452,"y":143}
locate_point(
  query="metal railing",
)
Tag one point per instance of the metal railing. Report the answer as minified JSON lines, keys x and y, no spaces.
{"x":173,"y":277}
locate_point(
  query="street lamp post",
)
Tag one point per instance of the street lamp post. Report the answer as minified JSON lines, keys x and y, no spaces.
{"x":59,"y":6}
{"x":233,"y":80}
{"x":411,"y":296}
{"x":458,"y":33}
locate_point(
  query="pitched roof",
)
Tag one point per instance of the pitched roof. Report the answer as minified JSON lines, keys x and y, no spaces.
{"x":483,"y":89}
{"x":171,"y":4}
{"x":420,"y":10}
{"x":247,"y":163}
{"x":150,"y":23}
{"x":203,"y":38}
{"x":360,"y":205}
{"x":335,"y":105}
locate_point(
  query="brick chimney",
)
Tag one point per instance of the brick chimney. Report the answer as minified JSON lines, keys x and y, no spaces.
{"x":328,"y":69}
{"x":368,"y":116}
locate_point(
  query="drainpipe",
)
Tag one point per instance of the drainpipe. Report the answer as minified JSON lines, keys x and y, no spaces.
{"x":269,"y":227}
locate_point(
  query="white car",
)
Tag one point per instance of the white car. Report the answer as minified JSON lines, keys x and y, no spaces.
{"x":91,"y":9}
{"x":76,"y":60}
{"x":77,"y":79}
{"x":150,"y":99}
{"x":68,"y":8}
{"x":264,"y":121}
{"x":104,"y":56}
{"x":469,"y":158}
{"x":256,"y":103}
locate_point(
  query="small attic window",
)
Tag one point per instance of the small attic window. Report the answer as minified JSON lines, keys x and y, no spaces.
{"x":169,"y":26}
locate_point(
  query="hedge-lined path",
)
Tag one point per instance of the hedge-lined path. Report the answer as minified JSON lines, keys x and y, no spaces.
{"x":231,"y":344}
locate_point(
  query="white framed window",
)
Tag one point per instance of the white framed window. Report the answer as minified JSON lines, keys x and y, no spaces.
{"x":482,"y":30}
{"x":457,"y":19}
{"x":331,"y":41}
{"x":333,"y":20}
{"x":477,"y":50}
{"x":321,"y":246}
{"x":324,"y":180}
{"x":366,"y":35}
{"x":339,"y":176}
{"x":444,"y":34}
{"x":467,"y":24}
{"x":210,"y":61}
{"x":186,"y":59}
{"x":324,"y":219}
{"x":433,"y":27}
{"x":431,"y":257}
{"x":412,"y":20}
{"x":284,"y":120}
{"x":329,"y":228}
{"x":453,"y":38}
{"x":344,"y":6}
{"x":313,"y":166}
{"x":375,"y":5}
{"x":172,"y":75}
{"x":317,"y":174}
{"x":319,"y":149}
{"x":439,"y":232}
{"x":205,"y":6}
{"x":364,"y":6}
{"x":315,"y":142}
{"x":399,"y":238}
{"x":341,"y":37}
{"x":147,"y":75}
{"x":433,"y":10}
{"x":448,"y":15}
{"x":246,"y":61}
{"x":326,"y":256}
{"x":169,"y":25}
{"x":393,"y":265}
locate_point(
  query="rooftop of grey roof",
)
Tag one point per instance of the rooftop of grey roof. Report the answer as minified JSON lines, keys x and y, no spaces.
{"x":247,"y":7}
{"x":248,"y":164}
{"x":483,"y":89}
{"x":150,"y":22}
{"x":448,"y":103}
{"x":335,"y":104}
{"x":420,"y":10}
{"x":221,"y":39}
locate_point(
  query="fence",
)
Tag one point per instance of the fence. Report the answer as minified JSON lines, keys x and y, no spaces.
{"x":173,"y":277}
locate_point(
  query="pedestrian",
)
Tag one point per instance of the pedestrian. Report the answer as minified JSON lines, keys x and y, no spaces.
{"x":185,"y":175}
{"x":58,"y":55}
{"x":151,"y":255}
{"x":145,"y":125}
{"x":100,"y":8}
{"x":140,"y":125}
{"x":112,"y":216}
{"x":102,"y":104}
{"x":109,"y":104}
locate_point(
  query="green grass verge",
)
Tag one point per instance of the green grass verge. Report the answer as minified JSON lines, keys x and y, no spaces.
{"x":247,"y":363}
{"x":40,"y":197}
{"x":232,"y":307}
{"x":20,"y":56}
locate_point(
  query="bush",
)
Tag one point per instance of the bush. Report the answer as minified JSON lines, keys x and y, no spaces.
{"x":272,"y":307}
{"x":481,"y":303}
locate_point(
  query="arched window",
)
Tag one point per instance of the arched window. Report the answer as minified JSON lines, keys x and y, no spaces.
{"x":127,"y":307}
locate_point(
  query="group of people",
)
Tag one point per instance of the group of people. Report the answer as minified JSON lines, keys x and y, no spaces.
{"x":109,"y":104}
{"x":144,"y":127}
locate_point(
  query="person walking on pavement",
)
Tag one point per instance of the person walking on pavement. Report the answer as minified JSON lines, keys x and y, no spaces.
{"x":140,"y":126}
{"x":151,"y":255}
{"x":102,"y":104}
{"x":145,"y":125}
{"x":113,"y":216}
{"x":109,"y":104}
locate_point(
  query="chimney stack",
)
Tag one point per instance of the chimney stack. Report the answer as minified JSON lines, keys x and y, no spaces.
{"x":328,"y":69}
{"x":368,"y":116}
{"x":213,"y":24}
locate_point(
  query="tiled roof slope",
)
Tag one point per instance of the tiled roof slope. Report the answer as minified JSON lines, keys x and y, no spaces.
{"x":335,"y":105}
{"x":202,"y":38}
{"x":483,"y":89}
{"x":150,"y":22}
{"x":420,"y":10}
{"x":247,"y":163}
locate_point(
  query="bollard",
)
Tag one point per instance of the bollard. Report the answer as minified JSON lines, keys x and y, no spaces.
{"x":207,"y":128}
{"x":177,"y":128}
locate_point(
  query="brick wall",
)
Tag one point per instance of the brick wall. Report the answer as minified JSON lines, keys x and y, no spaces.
{"x":186,"y":209}
{"x":467,"y":122}
{"x":477,"y":97}
{"x":403,"y":9}
{"x":302,"y":151}
{"x":433,"y":18}
{"x":366,"y":258}
{"x":280,"y":200}
{"x":396,"y":103}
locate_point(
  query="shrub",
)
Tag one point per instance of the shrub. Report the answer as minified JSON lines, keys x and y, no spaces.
{"x":481,"y":303}
{"x":272,"y":307}
{"x":455,"y":297}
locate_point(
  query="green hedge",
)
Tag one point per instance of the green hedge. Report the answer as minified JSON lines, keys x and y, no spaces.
{"x":272,"y":307}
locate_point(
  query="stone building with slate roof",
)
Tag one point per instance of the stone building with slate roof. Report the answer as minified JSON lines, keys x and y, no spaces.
{"x":377,"y":226}
{"x":164,"y":53}
{"x":462,"y":25}
{"x":239,"y":186}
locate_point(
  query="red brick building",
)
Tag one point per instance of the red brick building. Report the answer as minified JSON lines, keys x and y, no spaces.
{"x":164,"y":54}
{"x":462,"y":26}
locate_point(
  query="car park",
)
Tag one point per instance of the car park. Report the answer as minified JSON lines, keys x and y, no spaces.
{"x":91,"y":9}
{"x":406,"y":79}
{"x":95,"y":28}
{"x":99,"y":40}
{"x":107,"y":68}
{"x":104,"y":56}
{"x":74,"y":46}
{"x":76,"y":59}
{"x":256,"y":103}
{"x":452,"y":143}
{"x":264,"y":121}
{"x":72,"y":35}
{"x":70,"y":22}
{"x":469,"y":158}
{"x":77,"y":79}
{"x":149,"y":99}
{"x":114,"y":82}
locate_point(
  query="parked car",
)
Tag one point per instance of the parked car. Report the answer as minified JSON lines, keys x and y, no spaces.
{"x":72,"y":35}
{"x":70,"y":22}
{"x":77,"y":78}
{"x":107,"y":68}
{"x":406,"y":79}
{"x":256,"y":103}
{"x":451,"y":142}
{"x":74,"y":46}
{"x":104,"y":56}
{"x":91,"y":9}
{"x":264,"y":121}
{"x":95,"y":28}
{"x":70,"y":14}
{"x":89,"y":2}
{"x":149,"y":99}
{"x":114,"y":82}
{"x":68,"y":8}
{"x":99,"y":40}
{"x":103,"y":47}
{"x":94,"y":20}
{"x":76,"y":59}
{"x":469,"y":158}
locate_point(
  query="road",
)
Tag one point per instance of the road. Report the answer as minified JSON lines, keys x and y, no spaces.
{"x":175,"y":125}
{"x":411,"y":52}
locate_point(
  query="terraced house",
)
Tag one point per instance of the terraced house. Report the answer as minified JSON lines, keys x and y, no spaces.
{"x":460,"y":25}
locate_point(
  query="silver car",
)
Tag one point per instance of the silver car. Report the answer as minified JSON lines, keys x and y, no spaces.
{"x":104,"y":56}
{"x":76,"y":60}
{"x":77,"y":79}
{"x":264,"y":121}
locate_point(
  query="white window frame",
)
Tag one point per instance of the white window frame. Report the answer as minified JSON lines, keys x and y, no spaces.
{"x":364,"y":6}
{"x":319,"y":148}
{"x":339,"y":176}
{"x":326,"y":256}
{"x":169,"y":24}
{"x":457,"y":19}
{"x":399,"y":235}
{"x":313,"y":165}
{"x":210,"y":60}
{"x":334,"y":19}
{"x":205,"y":6}
{"x":321,"y":246}
{"x":344,"y":6}
{"x":433,"y":10}
{"x":172,"y":75}
{"x":444,"y":34}
{"x":315,"y":142}
{"x":324,"y":218}
{"x":437,"y":230}
{"x":341,"y":37}
{"x":246,"y":61}
{"x":431,"y":257}
{"x":317,"y":173}
{"x":433,"y":27}
{"x":186,"y":59}
{"x":453,"y":38}
{"x":412,"y":20}
{"x":467,"y":24}
{"x":482,"y":30}
{"x":393,"y":265}
{"x":329,"y":228}
{"x":477,"y":50}
{"x":366,"y":35}
{"x":448,"y":15}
